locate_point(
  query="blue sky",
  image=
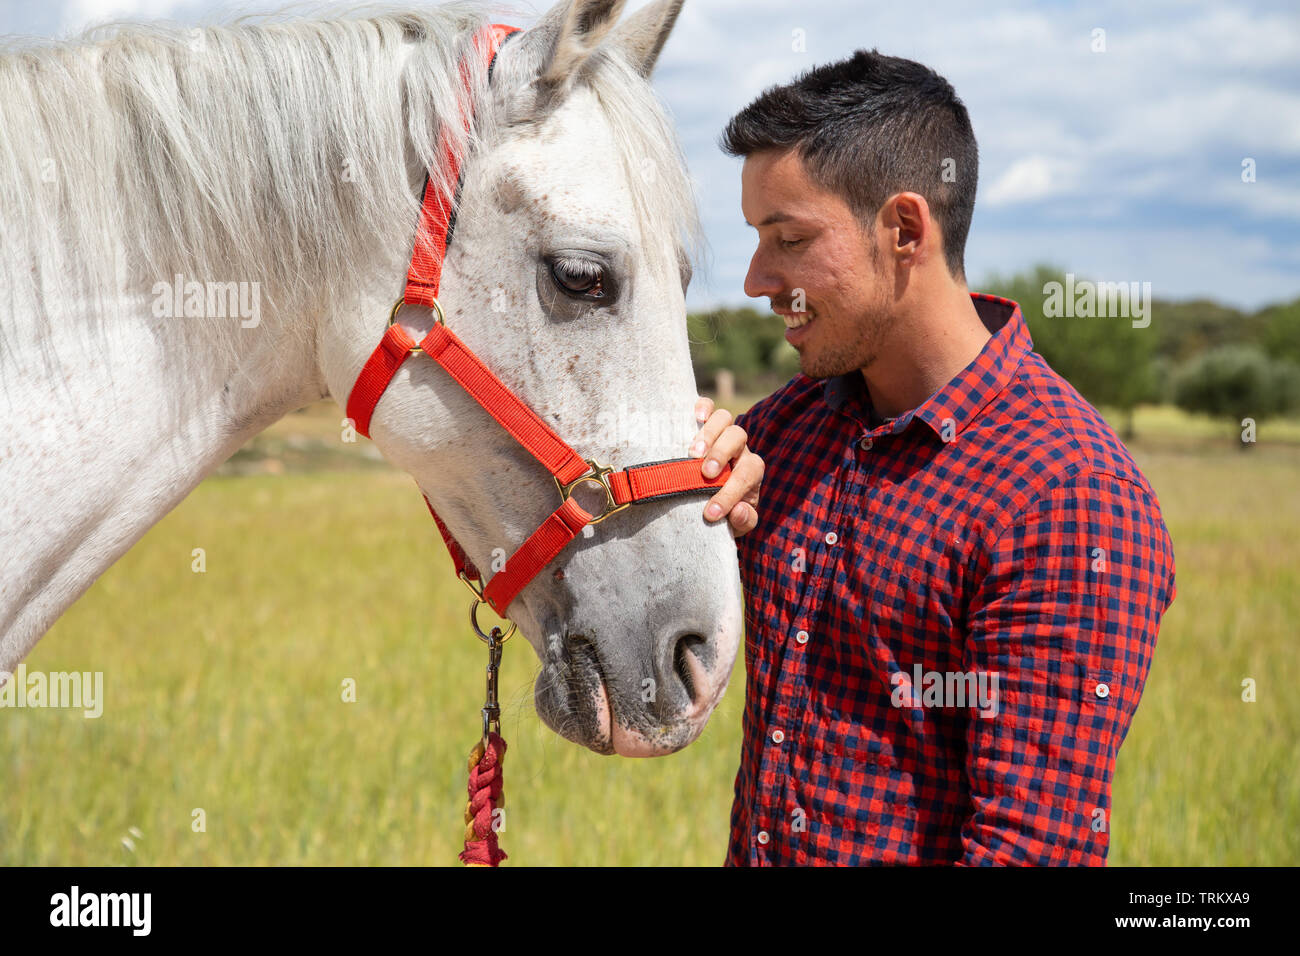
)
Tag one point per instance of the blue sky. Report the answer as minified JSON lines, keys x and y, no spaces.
{"x":1121,"y":165}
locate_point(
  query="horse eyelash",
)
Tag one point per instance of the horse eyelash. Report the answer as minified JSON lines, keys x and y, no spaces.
{"x":579,"y":268}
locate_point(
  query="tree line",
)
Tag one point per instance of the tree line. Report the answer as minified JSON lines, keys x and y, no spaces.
{"x":1203,"y":356}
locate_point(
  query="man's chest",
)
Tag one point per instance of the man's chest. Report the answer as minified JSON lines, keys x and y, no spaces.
{"x":862,"y":563}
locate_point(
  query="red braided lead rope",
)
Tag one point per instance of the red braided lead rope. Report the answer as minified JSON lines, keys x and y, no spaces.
{"x":485,"y":798}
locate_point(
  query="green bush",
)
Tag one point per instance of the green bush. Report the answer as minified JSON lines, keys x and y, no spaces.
{"x":1236,"y":382}
{"x":751,"y":345}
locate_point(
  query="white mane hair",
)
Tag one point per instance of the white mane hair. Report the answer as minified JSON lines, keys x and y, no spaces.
{"x":266,"y":149}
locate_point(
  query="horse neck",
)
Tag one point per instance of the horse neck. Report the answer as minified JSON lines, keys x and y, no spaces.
{"x":114,"y":407}
{"x":113,"y":414}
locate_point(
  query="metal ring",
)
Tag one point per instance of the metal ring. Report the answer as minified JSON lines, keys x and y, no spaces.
{"x":437,"y":307}
{"x":487,"y":638}
{"x":440,"y":317}
{"x":476,"y":589}
{"x":392,"y":313}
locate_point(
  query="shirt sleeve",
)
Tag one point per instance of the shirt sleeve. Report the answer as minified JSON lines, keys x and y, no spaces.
{"x":1064,"y":623}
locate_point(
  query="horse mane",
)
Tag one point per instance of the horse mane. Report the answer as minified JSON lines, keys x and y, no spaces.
{"x":264,"y":149}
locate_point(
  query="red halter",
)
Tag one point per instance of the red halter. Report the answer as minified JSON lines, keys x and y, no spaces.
{"x":632,"y":485}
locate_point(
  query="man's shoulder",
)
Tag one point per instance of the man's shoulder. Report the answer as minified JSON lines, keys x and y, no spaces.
{"x":1043,"y":433}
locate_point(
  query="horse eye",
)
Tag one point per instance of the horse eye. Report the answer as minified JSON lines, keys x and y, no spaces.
{"x":580,"y":278}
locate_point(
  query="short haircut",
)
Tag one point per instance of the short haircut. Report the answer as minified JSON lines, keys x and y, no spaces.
{"x":867,"y":128}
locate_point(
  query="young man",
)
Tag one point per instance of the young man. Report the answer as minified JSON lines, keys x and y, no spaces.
{"x":956,"y":580}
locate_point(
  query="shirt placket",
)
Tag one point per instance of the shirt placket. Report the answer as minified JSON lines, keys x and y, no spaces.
{"x":772,"y":821}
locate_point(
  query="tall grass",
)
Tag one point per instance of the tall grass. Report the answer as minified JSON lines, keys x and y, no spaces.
{"x":224,"y":693}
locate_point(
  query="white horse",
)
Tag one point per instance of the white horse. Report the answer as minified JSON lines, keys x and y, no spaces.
{"x":270,"y":172}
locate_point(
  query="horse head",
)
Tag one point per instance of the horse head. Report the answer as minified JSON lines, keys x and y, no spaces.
{"x":567,"y":276}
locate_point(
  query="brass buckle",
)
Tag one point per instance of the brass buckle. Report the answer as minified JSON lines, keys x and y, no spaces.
{"x":392,"y":317}
{"x":599,"y":475}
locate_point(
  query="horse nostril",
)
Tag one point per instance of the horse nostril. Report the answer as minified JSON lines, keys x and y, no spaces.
{"x":685,"y":660}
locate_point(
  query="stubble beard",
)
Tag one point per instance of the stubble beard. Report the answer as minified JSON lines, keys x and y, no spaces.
{"x":841,"y":358}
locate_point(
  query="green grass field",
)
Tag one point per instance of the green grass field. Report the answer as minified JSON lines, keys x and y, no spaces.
{"x":224,"y":688}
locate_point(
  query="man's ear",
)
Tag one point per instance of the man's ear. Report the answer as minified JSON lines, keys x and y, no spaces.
{"x":642,"y":36}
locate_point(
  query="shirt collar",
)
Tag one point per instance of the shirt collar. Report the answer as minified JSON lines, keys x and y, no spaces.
{"x":954,"y":405}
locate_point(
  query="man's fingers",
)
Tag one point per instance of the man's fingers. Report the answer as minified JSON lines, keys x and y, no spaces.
{"x":743,"y":519}
{"x":703,"y":409}
{"x":716,"y":424}
{"x":728,"y":446}
{"x":741,"y":485}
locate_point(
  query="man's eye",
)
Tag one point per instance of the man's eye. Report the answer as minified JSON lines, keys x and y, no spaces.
{"x":581,"y":278}
{"x":790,"y":243}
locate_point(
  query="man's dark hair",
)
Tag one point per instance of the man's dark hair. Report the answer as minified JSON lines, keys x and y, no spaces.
{"x":870,"y":127}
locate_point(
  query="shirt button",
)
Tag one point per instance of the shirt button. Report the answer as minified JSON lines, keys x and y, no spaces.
{"x":865,"y":444}
{"x":802,"y":637}
{"x":763,"y":837}
{"x":1103,"y":690}
{"x":831,"y":537}
{"x":777,"y":736}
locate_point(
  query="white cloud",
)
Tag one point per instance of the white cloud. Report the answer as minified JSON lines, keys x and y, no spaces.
{"x":1224,"y":38}
{"x":79,"y":14}
{"x":1028,"y":179}
{"x":1158,"y":122}
{"x":1266,"y":197}
{"x":1212,"y":260}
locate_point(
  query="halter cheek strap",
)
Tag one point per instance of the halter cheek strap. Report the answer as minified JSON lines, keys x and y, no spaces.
{"x":621,"y":489}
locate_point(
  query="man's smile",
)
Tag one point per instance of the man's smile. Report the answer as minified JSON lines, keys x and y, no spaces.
{"x":796,"y":324}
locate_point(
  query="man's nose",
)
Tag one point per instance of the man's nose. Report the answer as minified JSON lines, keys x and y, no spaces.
{"x":761,"y":280}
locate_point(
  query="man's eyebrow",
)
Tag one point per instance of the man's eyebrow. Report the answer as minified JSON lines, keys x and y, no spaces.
{"x":772,"y":219}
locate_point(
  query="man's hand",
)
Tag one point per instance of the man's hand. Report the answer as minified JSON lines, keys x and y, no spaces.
{"x":720,"y":442}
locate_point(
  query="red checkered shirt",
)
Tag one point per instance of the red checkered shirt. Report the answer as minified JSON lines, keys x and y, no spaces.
{"x":950,"y":618}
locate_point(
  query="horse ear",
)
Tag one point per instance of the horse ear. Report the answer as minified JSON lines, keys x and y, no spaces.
{"x":642,"y":36}
{"x":567,"y":35}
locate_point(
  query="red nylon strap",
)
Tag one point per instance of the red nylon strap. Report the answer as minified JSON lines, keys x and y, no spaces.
{"x":534,"y":554}
{"x":444,"y":347}
{"x":663,"y":478}
{"x":378,"y":371}
{"x":635,"y":484}
{"x":425,"y":275}
{"x":458,"y":556}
